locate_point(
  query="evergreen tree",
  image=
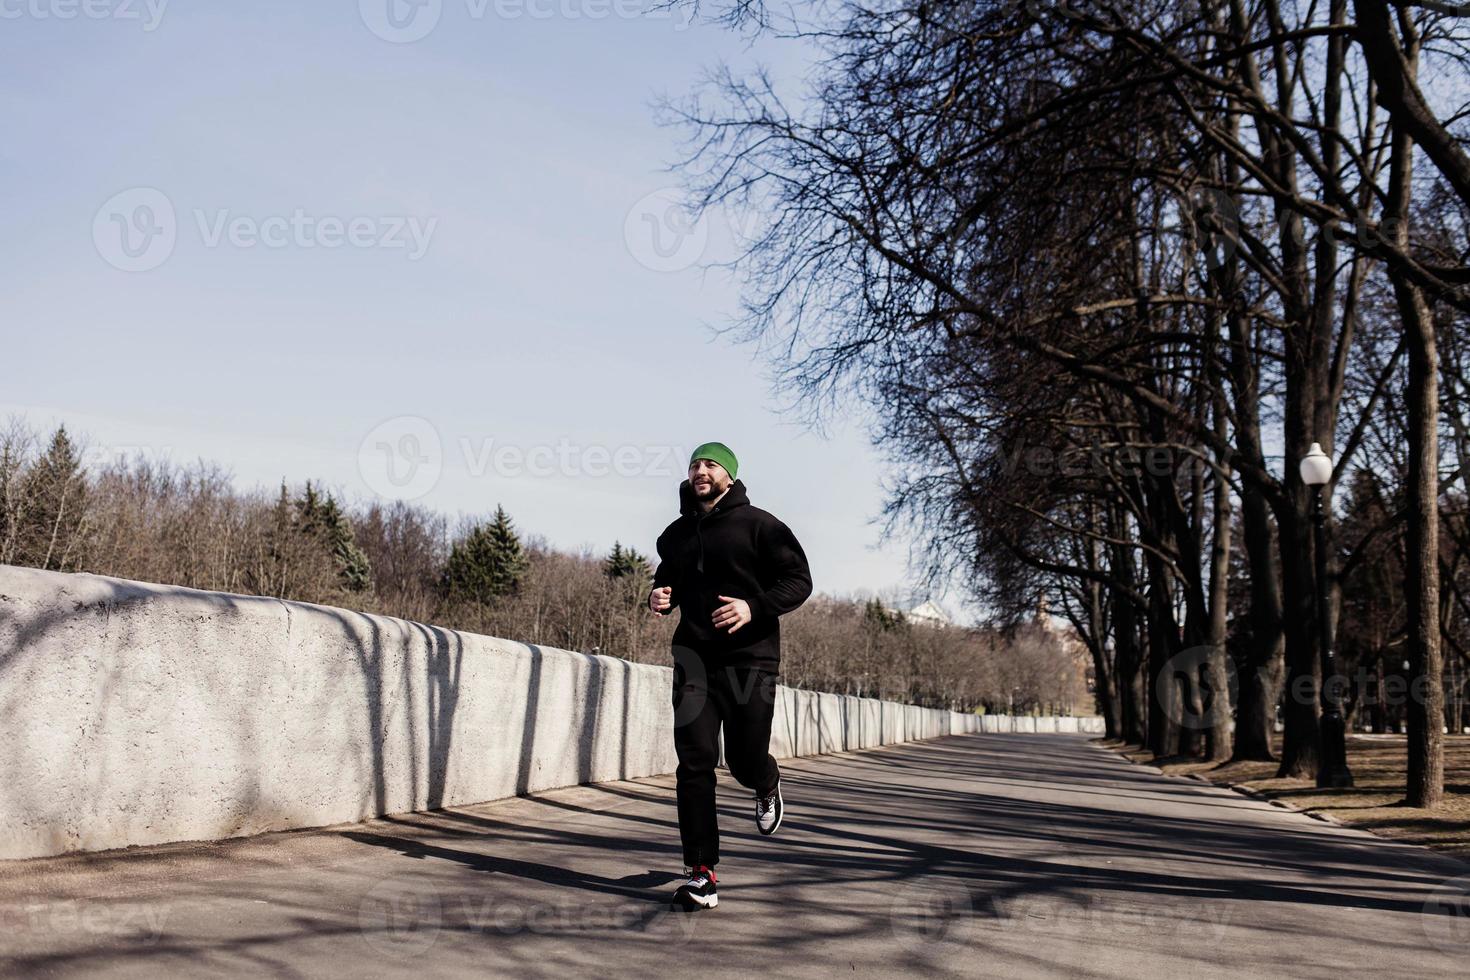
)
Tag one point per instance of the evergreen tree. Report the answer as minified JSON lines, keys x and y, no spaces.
{"x":879,"y":618}
{"x":615,"y":564}
{"x":54,"y":507}
{"x":510,"y":559}
{"x":624,"y":562}
{"x":322,"y":519}
{"x":308,"y":511}
{"x":293,"y":562}
{"x":352,"y":562}
{"x":487,"y":563}
{"x":270,"y":576}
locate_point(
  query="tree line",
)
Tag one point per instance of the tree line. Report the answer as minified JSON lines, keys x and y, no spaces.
{"x":1106,"y":271}
{"x":153,"y":521}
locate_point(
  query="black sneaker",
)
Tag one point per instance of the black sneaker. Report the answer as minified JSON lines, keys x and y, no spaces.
{"x":768,"y":810}
{"x":699,"y":891}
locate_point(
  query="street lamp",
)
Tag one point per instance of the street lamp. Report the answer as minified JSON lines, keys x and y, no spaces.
{"x":1316,"y":470}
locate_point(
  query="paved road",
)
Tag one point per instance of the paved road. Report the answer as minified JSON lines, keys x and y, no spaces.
{"x":973,"y":855}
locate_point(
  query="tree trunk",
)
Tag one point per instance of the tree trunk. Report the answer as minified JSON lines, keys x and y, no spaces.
{"x":1219,"y":746}
{"x":1421,"y":580}
{"x":1260,"y":673}
{"x":1260,"y":669}
{"x":1165,"y":703}
{"x":1107,"y":703}
{"x":1127,"y":657}
{"x":1425,"y":783}
{"x":1301,"y":743}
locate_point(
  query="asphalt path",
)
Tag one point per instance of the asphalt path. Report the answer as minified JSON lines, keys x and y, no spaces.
{"x":972,"y":855}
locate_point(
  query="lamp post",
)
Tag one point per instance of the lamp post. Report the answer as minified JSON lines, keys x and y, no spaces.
{"x":1316,"y":470}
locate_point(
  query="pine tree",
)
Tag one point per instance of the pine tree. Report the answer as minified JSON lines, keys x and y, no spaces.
{"x":615,"y":564}
{"x":623,"y":562}
{"x":270,"y":576}
{"x":877,"y":617}
{"x":321,"y":518}
{"x":55,"y":505}
{"x":335,"y":532}
{"x":308,"y":511}
{"x":510,"y":560}
{"x":487,"y":563}
{"x":352,"y":562}
{"x":292,"y":562}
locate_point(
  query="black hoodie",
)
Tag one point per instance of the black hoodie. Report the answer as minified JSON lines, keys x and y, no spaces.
{"x":739,"y":551}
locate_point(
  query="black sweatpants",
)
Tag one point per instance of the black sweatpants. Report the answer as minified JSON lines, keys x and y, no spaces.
{"x":705,"y":695}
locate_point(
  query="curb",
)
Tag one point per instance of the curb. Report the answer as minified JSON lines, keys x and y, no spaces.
{"x":1238,"y":788}
{"x":1260,"y":797}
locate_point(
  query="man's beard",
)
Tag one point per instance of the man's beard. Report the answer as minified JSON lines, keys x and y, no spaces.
{"x":710,"y":489}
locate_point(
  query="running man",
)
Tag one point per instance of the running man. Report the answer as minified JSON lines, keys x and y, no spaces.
{"x":732,"y":569}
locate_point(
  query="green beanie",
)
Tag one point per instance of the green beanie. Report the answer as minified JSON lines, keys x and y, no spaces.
{"x":716,"y":452}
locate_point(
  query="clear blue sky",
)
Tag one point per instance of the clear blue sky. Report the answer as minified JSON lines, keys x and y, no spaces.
{"x":533,"y":310}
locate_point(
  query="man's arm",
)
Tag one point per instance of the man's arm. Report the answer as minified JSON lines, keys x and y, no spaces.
{"x":783,"y":554}
{"x":662,"y":577}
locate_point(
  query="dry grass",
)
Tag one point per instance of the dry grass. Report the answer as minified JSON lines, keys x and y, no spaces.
{"x":1375,"y":803}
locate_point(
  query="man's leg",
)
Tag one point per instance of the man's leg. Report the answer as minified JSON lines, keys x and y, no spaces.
{"x":696,"y":743}
{"x":748,"y":728}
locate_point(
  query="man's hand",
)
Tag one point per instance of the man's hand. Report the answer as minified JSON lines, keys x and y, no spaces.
{"x":736,"y":611}
{"x":659,"y":600}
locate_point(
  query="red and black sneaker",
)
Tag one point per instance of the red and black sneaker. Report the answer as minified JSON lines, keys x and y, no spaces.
{"x":699,"y":891}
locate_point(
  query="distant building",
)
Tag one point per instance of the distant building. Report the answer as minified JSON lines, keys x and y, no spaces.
{"x":929,"y":614}
{"x":926,"y":613}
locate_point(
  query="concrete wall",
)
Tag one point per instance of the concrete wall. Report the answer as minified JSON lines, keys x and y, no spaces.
{"x":142,"y":714}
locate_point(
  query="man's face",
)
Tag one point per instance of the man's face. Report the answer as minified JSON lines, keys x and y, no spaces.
{"x":707,"y":479}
